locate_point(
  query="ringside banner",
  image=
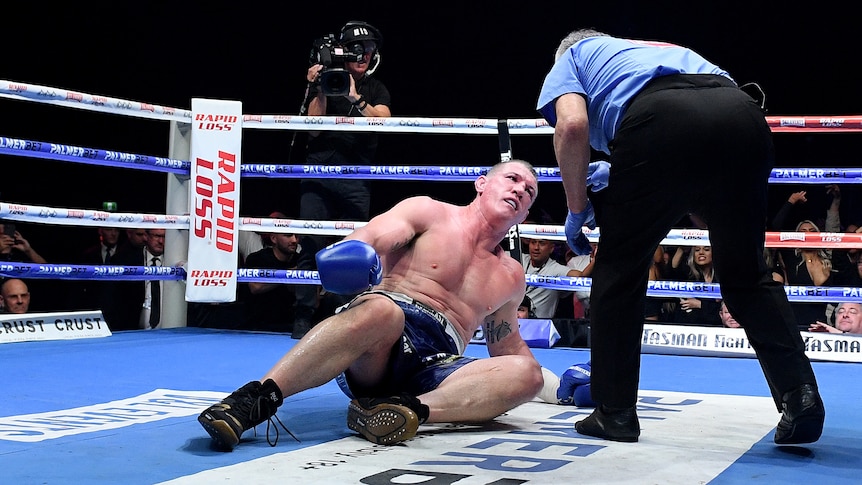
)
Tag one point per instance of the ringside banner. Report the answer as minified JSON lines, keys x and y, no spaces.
{"x":732,"y":342}
{"x":214,"y":219}
{"x":28,"y":327}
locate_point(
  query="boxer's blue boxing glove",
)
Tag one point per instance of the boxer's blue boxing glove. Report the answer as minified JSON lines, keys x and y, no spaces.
{"x":597,"y":175}
{"x":574,"y":377}
{"x":583,"y":397}
{"x":348,"y":267}
{"x":575,"y":223}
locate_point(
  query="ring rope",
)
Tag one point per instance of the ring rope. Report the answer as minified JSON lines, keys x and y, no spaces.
{"x":91,"y":156}
{"x":96,"y":156}
{"x":74,"y":99}
{"x":97,"y":218}
{"x":659,"y":289}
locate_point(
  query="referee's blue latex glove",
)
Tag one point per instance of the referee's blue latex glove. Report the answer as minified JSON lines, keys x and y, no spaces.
{"x":574,"y":229}
{"x":597,"y":175}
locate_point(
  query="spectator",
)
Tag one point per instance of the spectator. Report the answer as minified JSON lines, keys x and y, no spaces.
{"x":833,"y":213}
{"x":698,"y":267}
{"x":104,"y":250}
{"x":792,"y":205}
{"x":583,"y":264}
{"x":249,"y":242}
{"x":14,"y":248}
{"x":270,"y":306}
{"x":342,"y":199}
{"x":815,"y":267}
{"x":88,"y":294}
{"x":132,"y":305}
{"x":726,"y":318}
{"x":779,"y":274}
{"x":135,"y":238}
{"x":856,"y":275}
{"x":539,"y":261}
{"x":848,"y":319}
{"x":525,"y":310}
{"x":14,"y":296}
{"x":654,"y":309}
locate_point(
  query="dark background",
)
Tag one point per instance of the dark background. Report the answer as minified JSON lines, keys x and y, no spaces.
{"x":448,"y":59}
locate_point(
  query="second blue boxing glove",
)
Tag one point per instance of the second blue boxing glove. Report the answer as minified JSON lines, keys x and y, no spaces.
{"x":583,"y":397}
{"x":348,"y":267}
{"x":574,"y":377}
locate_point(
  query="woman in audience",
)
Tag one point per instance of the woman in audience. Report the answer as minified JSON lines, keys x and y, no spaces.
{"x":815,"y":267}
{"x":700,"y":311}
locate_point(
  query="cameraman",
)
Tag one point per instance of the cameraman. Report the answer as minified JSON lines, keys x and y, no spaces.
{"x":341,"y":199}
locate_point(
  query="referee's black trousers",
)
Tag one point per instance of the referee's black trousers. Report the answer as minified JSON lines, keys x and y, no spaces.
{"x":688,"y":143}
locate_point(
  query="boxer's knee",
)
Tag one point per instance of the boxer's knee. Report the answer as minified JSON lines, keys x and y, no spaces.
{"x":528,"y":376}
{"x":375,"y":313}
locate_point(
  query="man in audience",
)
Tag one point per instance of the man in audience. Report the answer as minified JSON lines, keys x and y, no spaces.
{"x":848,"y":319}
{"x":135,"y":238}
{"x":726,"y":318}
{"x":132,"y":305}
{"x":14,"y":296}
{"x":88,"y":294}
{"x":270,"y":306}
{"x":539,"y":262}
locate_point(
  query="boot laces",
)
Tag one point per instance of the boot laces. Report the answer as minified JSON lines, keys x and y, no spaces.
{"x":259,"y":409}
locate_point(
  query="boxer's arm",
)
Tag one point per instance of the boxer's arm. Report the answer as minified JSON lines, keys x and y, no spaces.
{"x":355,"y":263}
{"x":502,"y":335}
{"x":397,"y":227}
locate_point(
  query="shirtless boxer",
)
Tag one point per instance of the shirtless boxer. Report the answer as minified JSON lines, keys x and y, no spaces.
{"x":397,"y":349}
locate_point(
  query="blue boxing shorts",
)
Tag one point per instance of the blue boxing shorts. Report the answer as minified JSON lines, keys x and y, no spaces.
{"x":430,"y":349}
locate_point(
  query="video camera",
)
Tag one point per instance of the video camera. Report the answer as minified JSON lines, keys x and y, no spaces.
{"x":334,"y":79}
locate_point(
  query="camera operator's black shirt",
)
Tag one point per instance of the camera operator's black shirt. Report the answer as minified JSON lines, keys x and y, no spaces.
{"x":346,"y":147}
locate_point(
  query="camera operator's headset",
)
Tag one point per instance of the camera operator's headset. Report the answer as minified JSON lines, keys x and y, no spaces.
{"x":355,"y":31}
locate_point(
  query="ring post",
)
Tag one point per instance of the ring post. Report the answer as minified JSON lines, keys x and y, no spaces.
{"x":177,"y":240}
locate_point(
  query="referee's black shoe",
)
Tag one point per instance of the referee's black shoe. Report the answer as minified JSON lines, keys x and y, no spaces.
{"x":802,"y":416}
{"x":615,"y":424}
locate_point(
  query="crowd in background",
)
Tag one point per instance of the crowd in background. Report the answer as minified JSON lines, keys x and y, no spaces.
{"x":271,"y":307}
{"x":792,"y":267}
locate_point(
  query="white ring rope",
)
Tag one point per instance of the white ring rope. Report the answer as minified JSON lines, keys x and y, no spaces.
{"x":73,"y":99}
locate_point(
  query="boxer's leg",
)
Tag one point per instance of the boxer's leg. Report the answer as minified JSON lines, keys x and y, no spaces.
{"x":360,"y":338}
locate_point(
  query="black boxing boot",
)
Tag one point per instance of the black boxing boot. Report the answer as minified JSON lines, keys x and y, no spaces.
{"x":802,"y":418}
{"x":615,"y":424}
{"x":242,"y":410}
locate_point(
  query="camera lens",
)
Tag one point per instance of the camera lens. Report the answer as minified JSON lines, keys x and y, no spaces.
{"x":335,"y":82}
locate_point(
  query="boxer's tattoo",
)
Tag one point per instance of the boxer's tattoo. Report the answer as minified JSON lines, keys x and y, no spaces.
{"x":494,"y":332}
{"x":403,"y":243}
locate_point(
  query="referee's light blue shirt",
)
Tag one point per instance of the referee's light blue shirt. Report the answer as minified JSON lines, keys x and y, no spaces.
{"x":609,"y":72}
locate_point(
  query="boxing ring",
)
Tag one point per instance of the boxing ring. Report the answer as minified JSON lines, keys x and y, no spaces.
{"x":100,"y":407}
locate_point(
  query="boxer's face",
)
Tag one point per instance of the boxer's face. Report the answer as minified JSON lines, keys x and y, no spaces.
{"x":510,"y":188}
